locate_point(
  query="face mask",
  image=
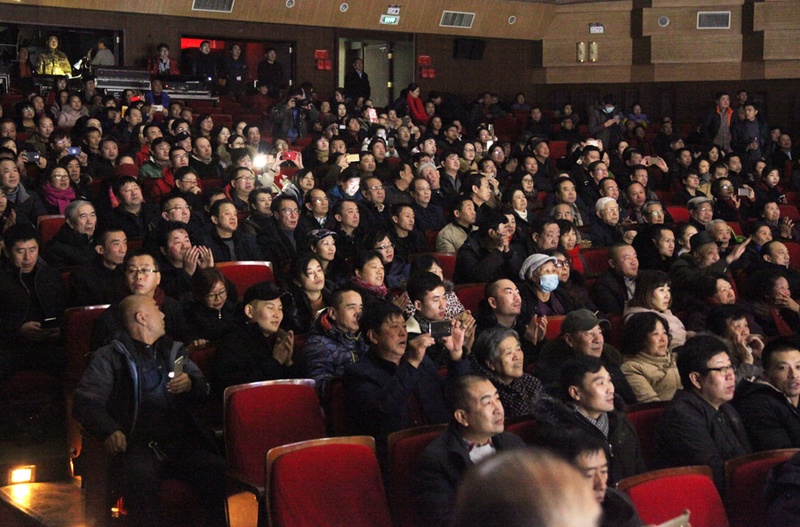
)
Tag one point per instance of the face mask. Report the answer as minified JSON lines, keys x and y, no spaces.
{"x":608,"y":109}
{"x":548,"y":282}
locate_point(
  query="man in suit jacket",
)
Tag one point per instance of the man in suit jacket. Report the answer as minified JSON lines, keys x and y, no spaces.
{"x":356,"y":82}
{"x":475,"y":433}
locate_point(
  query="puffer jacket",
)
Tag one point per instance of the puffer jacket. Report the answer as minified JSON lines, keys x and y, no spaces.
{"x":652,"y":378}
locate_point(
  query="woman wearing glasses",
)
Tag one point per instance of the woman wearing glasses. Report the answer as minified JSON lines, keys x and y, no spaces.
{"x":212,"y":310}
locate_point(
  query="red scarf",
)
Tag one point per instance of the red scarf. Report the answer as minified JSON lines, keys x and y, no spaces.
{"x":58,"y":198}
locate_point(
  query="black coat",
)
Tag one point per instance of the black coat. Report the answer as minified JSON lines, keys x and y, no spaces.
{"x":245,"y":246}
{"x":623,"y":450}
{"x":692,"y":432}
{"x":377,"y":392}
{"x":96,"y":284}
{"x":609,"y":293}
{"x":474,"y":263}
{"x":441,"y":467}
{"x":17,"y":305}
{"x":69,"y":248}
{"x":769,"y":418}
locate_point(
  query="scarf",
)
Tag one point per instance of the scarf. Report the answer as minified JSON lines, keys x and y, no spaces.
{"x":58,"y":198}
{"x":575,"y":258}
{"x":377,"y":289}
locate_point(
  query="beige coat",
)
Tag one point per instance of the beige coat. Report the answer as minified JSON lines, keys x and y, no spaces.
{"x":652,"y":378}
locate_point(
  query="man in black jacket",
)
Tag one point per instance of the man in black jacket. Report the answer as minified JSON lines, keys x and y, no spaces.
{"x":616,"y":286}
{"x":134,"y":400}
{"x":586,"y":402}
{"x":476,"y":432}
{"x":769,"y":406}
{"x":699,"y":426}
{"x":356,"y":82}
{"x":486,"y":254}
{"x":226,"y":241}
{"x":32,"y":307}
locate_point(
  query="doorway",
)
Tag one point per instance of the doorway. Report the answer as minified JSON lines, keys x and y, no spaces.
{"x":388,"y":62}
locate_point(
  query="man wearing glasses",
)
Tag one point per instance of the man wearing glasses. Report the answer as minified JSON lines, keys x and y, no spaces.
{"x":281,"y":246}
{"x":142,"y":277}
{"x":700,"y":426}
{"x":607,"y":231}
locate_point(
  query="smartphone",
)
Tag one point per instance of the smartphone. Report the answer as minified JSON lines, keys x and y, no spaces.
{"x":33,"y":156}
{"x":74,"y":151}
{"x":342,"y":127}
{"x":177,"y":367}
{"x":742,"y":192}
{"x":653,"y":160}
{"x":260,"y":161}
{"x":406,"y":120}
{"x":373,"y":115}
{"x":390,"y":142}
{"x":441,"y":329}
{"x":49,"y":323}
{"x":353,"y":158}
{"x":158,"y":107}
{"x":491,"y":129}
{"x":290,"y":155}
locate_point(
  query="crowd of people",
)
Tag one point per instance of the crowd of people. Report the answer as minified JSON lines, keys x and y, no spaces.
{"x":349,"y":203}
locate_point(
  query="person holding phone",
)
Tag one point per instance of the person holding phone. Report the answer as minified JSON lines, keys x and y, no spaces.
{"x":293,"y":118}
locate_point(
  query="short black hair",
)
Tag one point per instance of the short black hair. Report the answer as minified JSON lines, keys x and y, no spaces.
{"x":456,"y":394}
{"x":168,"y":228}
{"x":20,"y":232}
{"x":573,"y":372}
{"x":779,"y":345}
{"x":379,"y":312}
{"x":695,"y":354}
{"x":421,"y":283}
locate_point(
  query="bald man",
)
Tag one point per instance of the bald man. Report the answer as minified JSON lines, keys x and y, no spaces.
{"x":138,"y":397}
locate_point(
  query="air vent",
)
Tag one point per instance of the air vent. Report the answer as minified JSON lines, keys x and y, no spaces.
{"x":220,"y":6}
{"x":457,"y":19}
{"x":713,"y":20}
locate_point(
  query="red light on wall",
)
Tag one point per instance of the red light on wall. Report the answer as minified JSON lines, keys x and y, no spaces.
{"x":424,"y":60}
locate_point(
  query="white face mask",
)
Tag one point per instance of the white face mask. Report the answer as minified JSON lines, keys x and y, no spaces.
{"x":548,"y":282}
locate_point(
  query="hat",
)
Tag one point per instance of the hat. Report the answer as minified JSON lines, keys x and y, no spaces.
{"x":533,"y":262}
{"x":581,"y":320}
{"x":318,"y":234}
{"x":180,"y":136}
{"x":696,"y":202}
{"x":262,"y":291}
{"x":700,"y":239}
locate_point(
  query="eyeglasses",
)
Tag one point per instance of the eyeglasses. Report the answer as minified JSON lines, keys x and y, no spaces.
{"x":322,"y":200}
{"x":384,"y":247}
{"x":217,"y":296}
{"x":469,"y":150}
{"x":657,"y":213}
{"x":373,"y":188}
{"x":64,"y":176}
{"x":724,"y":370}
{"x":136,"y":272}
{"x":725,"y":187}
{"x":188,"y":181}
{"x":612,"y":209}
{"x":563,"y":263}
{"x":290,"y":211}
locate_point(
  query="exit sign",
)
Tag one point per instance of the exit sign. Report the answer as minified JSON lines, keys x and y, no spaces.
{"x":391,"y":20}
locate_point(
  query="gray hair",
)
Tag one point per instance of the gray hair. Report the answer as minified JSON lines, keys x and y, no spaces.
{"x":711,"y":225}
{"x":71,"y":212}
{"x":423,"y":166}
{"x":601,"y":203}
{"x":650,"y":203}
{"x":487,"y":345}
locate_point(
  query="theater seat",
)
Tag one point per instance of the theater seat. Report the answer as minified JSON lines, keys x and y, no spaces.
{"x":644,"y":418}
{"x":471,"y":295}
{"x":263,"y":415}
{"x":665,"y":494}
{"x":523,"y":426}
{"x":49,"y":225}
{"x":246,"y":273}
{"x":405,"y":447}
{"x":679,"y":214}
{"x":554,"y":327}
{"x":596,"y":260}
{"x":335,"y":482}
{"x":746,"y":477}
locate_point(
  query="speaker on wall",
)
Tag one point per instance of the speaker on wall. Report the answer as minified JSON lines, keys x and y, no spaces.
{"x":468,"y":48}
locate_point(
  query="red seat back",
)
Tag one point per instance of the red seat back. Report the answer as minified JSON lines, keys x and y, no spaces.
{"x":746,"y":476}
{"x":262,"y":415}
{"x":644,"y":418}
{"x":245,"y":274}
{"x":337,"y":417}
{"x":49,"y":225}
{"x":524,"y":427}
{"x":558,"y":149}
{"x":794,"y":254}
{"x":596,"y":260}
{"x":554,"y":327}
{"x":664,"y":494}
{"x":405,"y":448}
{"x":678,"y":213}
{"x":333,"y":482}
{"x":789,"y":211}
{"x":471,"y":295}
